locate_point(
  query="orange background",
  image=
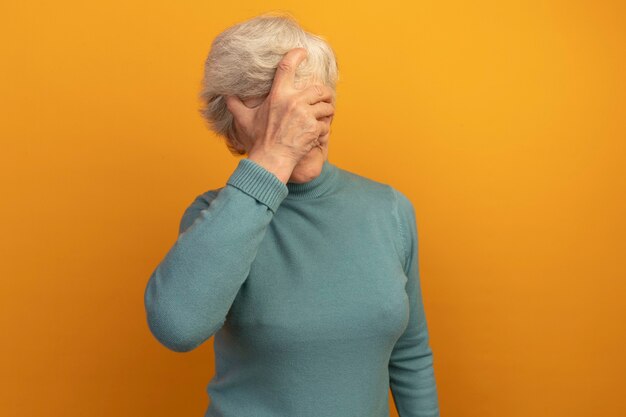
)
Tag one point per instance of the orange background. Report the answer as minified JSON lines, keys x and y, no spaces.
{"x":502,"y":121}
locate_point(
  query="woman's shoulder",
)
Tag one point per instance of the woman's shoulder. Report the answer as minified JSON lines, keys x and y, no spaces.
{"x":378,"y":189}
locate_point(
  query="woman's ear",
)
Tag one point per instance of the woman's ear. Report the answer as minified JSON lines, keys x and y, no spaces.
{"x":240,"y":111}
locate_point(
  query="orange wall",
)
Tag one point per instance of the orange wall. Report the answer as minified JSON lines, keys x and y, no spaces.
{"x":502,"y":121}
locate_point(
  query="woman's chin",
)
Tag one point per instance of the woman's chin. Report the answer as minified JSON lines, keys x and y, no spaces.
{"x":309,"y":167}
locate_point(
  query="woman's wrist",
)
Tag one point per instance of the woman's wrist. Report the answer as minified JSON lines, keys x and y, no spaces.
{"x":281,"y":167}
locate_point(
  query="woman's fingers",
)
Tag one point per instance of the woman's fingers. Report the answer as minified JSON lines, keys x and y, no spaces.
{"x":316,"y":93}
{"x":285,"y":74}
{"x":323,"y":128}
{"x":325,"y":132}
{"x":322,"y":109}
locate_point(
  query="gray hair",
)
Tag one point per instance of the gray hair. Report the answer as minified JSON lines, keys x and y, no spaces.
{"x":243,"y":60}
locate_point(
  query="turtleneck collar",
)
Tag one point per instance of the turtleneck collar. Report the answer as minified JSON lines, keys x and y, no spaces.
{"x":315,"y":187}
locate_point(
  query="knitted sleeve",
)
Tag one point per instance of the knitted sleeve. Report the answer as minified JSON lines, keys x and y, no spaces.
{"x":192,"y":289}
{"x":411,"y":374}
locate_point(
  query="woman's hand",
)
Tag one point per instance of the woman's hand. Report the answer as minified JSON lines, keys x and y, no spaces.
{"x":288,"y":123}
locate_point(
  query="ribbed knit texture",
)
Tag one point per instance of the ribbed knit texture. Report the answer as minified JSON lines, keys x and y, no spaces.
{"x":312,"y":291}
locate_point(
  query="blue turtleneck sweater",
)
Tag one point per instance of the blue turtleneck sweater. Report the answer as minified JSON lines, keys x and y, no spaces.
{"x":312,"y":291}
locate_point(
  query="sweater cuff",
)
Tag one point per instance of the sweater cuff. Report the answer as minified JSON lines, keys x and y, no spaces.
{"x":258,"y":182}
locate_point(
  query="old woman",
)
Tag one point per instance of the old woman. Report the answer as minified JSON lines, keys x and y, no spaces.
{"x":306,"y":273}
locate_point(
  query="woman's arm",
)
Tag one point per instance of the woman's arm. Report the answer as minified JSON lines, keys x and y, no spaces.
{"x":192,"y":289}
{"x":411,"y":374}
